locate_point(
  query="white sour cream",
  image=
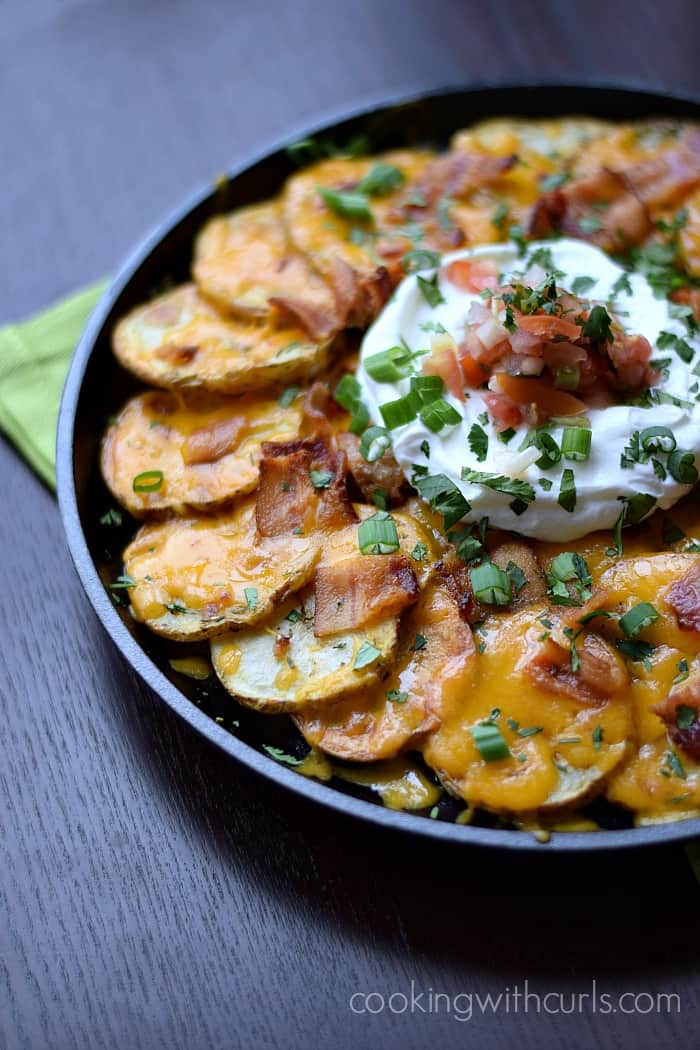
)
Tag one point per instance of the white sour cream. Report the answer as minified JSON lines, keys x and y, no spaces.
{"x":600,"y":481}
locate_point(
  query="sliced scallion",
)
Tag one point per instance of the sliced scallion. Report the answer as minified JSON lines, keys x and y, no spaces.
{"x":378,"y":534}
{"x":374,"y":443}
{"x":400,"y":412}
{"x":639,"y":616}
{"x":491,"y":585}
{"x":490,"y":742}
{"x":439,"y":414}
{"x":681,"y":466}
{"x":567,"y":491}
{"x":657,"y":439}
{"x":576,"y":444}
{"x":347,"y":205}
{"x":148,"y":481}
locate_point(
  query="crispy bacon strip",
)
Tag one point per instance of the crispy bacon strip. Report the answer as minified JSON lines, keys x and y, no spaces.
{"x":208,"y":444}
{"x":455,"y":575}
{"x":362,"y":590}
{"x":457,"y":174}
{"x":684,"y":598}
{"x":602,"y":208}
{"x":685,"y":694}
{"x":318,"y":321}
{"x":287,"y":499}
{"x":601,"y":672}
{"x":384,"y":473}
{"x":359,"y":296}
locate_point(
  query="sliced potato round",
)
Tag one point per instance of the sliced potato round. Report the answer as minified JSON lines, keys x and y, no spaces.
{"x":560,"y":139}
{"x":205,"y":446}
{"x":283,"y":666}
{"x":196,"y":577}
{"x":323,"y":235}
{"x":435,"y":659}
{"x":180,"y":339}
{"x":560,"y":747}
{"x":243,"y":259}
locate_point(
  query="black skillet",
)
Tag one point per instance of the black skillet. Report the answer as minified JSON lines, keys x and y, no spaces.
{"x":97,"y":387}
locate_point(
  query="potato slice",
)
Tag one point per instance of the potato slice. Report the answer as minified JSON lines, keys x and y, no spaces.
{"x":206,"y":446}
{"x":559,"y":139}
{"x":243,"y":260}
{"x":180,"y":339}
{"x":283,"y":666}
{"x":435,"y":662}
{"x":561,"y":748}
{"x":325,"y":236}
{"x":196,"y":577}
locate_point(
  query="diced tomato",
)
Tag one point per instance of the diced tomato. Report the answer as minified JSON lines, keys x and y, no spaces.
{"x":474,"y":373}
{"x":504,"y":412}
{"x":538,"y":393}
{"x":630,"y":355}
{"x":443,"y":363}
{"x":548,"y":327}
{"x":472,"y":275}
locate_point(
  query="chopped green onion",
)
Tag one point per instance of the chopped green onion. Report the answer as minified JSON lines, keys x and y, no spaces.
{"x":397,"y":697}
{"x":374,"y":443}
{"x":567,"y":491}
{"x":378,"y":534}
{"x":427,"y":388}
{"x":657,"y":439}
{"x":388,"y":366}
{"x":491,"y":585}
{"x":123,"y":582}
{"x":419,"y":552}
{"x":366,"y":655}
{"x":567,"y":377}
{"x":681,"y":466}
{"x":597,"y":737}
{"x":400,"y":412}
{"x":380,"y":498}
{"x":320,"y":479}
{"x":360,"y":419}
{"x":347,"y":392}
{"x":639,"y":616}
{"x":576,"y":444}
{"x":420,"y":259}
{"x":112,"y":518}
{"x":251,"y":597}
{"x":489,"y":741}
{"x":347,"y":205}
{"x":439,"y":414}
{"x":148,"y":481}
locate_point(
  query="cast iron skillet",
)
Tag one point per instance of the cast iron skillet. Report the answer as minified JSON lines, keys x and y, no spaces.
{"x":96,"y":387}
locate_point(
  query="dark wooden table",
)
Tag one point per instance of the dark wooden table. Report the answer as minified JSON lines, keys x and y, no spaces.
{"x":153,"y":893}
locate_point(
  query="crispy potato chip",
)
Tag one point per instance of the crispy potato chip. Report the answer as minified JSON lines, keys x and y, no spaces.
{"x":205,"y":446}
{"x":180,"y":339}
{"x":435,"y":661}
{"x":282,"y":665}
{"x":560,"y":747}
{"x":243,"y":261}
{"x":196,"y":577}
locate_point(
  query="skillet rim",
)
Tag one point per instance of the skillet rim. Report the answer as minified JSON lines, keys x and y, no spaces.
{"x":131,"y":650}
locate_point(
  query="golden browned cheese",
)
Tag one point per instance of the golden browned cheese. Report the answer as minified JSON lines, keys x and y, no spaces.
{"x":181,"y":340}
{"x":207,"y":447}
{"x":434,"y":664}
{"x":194,"y":577}
{"x":323,"y":235}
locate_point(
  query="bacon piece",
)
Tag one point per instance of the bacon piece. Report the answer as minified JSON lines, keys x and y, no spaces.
{"x":359,"y":296}
{"x":685,"y":694}
{"x":455,"y":575}
{"x":287,"y":500}
{"x":684,"y":598}
{"x":384,"y":473}
{"x":208,"y":444}
{"x":318,"y":321}
{"x":601,"y":672}
{"x":606,"y":200}
{"x":665,"y":181}
{"x":357,"y":591}
{"x":458,"y":174}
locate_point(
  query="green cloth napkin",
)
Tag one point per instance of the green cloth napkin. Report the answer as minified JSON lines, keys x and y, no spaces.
{"x":34,"y":359}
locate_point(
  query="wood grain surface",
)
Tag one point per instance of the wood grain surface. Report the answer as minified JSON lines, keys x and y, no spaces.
{"x":154,"y":894}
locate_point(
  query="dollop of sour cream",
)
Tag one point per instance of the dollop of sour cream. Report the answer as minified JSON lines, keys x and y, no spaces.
{"x":601,"y":481}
